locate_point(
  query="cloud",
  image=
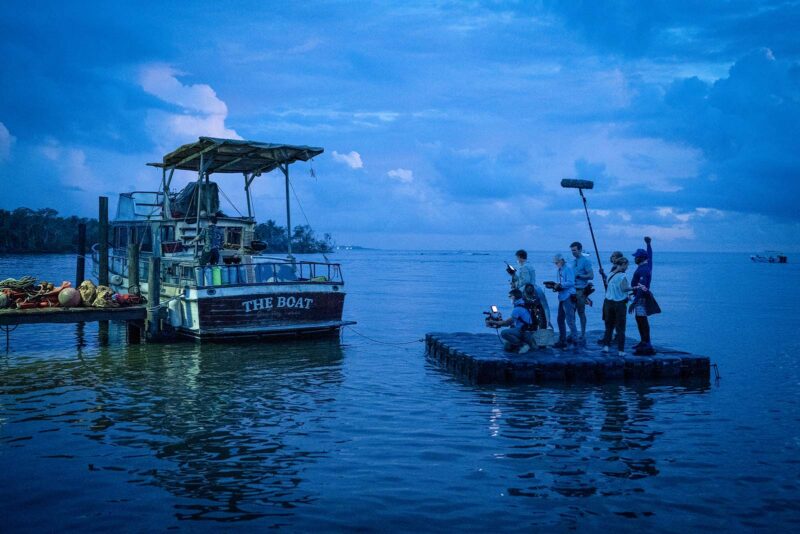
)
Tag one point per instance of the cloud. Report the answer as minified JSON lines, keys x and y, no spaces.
{"x":352,"y":160}
{"x":72,"y":169}
{"x":402,"y":175}
{"x":201,"y":112}
{"x":674,"y":232}
{"x":6,"y":140}
{"x":745,"y":128}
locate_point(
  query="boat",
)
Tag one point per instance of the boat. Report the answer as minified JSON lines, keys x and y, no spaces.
{"x":248,"y":293}
{"x":770,"y":256}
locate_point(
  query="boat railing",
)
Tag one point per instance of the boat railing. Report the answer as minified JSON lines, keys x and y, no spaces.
{"x":183,"y":272}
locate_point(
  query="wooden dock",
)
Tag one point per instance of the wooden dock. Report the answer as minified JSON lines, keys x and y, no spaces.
{"x":134,"y":316}
{"x":480,"y":359}
{"x":11,"y":317}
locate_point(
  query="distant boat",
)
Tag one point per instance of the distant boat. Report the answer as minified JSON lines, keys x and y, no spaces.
{"x":770,"y":256}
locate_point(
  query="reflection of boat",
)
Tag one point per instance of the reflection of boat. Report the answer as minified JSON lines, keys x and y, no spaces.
{"x":770,"y":256}
{"x":247,"y":294}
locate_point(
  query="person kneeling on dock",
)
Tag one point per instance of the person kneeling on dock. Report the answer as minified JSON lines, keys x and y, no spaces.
{"x":520,"y":333}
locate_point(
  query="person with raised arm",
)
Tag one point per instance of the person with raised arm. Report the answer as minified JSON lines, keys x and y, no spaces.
{"x":644,"y":303}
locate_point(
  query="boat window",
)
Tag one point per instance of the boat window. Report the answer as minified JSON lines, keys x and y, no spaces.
{"x":167,"y":233}
{"x":145,"y":236}
{"x":234,"y":236}
{"x":120,"y":236}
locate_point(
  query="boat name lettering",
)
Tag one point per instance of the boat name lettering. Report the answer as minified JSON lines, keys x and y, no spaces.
{"x":269,"y":303}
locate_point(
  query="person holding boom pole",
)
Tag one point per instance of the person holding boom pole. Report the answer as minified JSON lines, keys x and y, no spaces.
{"x":580,"y":185}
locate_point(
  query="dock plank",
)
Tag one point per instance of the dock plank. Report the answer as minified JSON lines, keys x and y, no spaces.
{"x":10,"y":317}
{"x":480,"y":359}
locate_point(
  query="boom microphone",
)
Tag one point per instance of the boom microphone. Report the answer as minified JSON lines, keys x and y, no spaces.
{"x":577,"y":184}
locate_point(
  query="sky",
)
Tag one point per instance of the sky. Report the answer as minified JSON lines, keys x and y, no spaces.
{"x":446,"y":125}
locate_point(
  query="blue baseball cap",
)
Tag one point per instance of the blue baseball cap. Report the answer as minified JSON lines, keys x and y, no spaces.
{"x":640,"y":253}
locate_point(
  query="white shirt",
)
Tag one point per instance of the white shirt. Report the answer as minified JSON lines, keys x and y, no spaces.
{"x":617,"y":287}
{"x":525,"y":275}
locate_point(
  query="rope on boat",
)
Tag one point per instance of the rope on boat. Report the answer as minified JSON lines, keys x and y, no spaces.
{"x":229,"y":201}
{"x":19,"y":285}
{"x":716,"y":371}
{"x":385,"y":342}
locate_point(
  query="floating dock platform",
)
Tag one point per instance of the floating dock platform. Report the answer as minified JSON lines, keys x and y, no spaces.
{"x":480,"y":359}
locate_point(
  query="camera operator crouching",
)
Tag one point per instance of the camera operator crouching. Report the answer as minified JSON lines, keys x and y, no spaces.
{"x":519,"y":337}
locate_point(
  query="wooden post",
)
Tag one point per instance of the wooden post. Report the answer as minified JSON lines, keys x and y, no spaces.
{"x":133,"y":270}
{"x":102,"y":239}
{"x":80,"y":270}
{"x":134,"y":327}
{"x":134,"y":332}
{"x":154,"y":298}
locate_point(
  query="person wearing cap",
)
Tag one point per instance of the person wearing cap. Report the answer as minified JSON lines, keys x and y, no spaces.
{"x":519,"y":336}
{"x":614,"y":306}
{"x":565,"y":287}
{"x":584,"y":274}
{"x":644,"y":304}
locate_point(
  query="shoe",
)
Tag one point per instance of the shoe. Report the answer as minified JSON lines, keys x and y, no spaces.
{"x":524,"y":348}
{"x":561,"y":344}
{"x":605,"y":348}
{"x":639,"y":344}
{"x":621,"y":353}
{"x":508,"y":347}
{"x":601,"y":341}
{"x":581,"y":341}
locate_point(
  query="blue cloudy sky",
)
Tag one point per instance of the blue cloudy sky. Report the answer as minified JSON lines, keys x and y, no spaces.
{"x":445,"y":124}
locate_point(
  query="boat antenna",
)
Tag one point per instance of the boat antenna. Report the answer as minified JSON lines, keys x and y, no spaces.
{"x":300,"y":204}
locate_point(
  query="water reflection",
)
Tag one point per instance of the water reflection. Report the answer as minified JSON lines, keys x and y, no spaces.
{"x":579,"y":441}
{"x":227,"y":429}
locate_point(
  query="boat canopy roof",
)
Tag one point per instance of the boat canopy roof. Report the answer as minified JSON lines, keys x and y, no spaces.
{"x":235,"y":156}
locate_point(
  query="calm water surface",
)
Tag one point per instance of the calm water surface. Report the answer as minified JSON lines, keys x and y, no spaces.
{"x":329,"y":435}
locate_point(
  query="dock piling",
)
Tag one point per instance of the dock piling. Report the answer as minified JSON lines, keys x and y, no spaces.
{"x":133,"y":270}
{"x":80,"y":268}
{"x":134,"y":327}
{"x":154,"y":299}
{"x":102,"y":240}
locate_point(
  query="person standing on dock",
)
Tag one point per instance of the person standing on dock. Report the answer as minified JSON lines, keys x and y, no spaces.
{"x":644,"y":303}
{"x":584,"y":274}
{"x":565,"y":287}
{"x":521,"y":327}
{"x":614,"y":306}
{"x":525,"y":273}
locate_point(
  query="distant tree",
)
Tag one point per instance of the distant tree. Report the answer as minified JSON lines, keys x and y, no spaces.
{"x":303,"y":239}
{"x":26,"y":230}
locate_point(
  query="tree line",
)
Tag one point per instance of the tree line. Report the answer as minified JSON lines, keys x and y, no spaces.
{"x":26,"y":230}
{"x":303,"y":238}
{"x":42,"y":230}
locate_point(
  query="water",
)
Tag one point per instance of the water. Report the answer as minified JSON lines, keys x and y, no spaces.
{"x":324,"y":435}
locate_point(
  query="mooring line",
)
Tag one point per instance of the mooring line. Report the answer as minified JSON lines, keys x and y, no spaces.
{"x":385,"y":342}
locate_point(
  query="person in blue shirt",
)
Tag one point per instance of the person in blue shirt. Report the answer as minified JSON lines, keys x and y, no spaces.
{"x":584,"y":274}
{"x":644,"y":304}
{"x":565,"y":287}
{"x":520,"y":333}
